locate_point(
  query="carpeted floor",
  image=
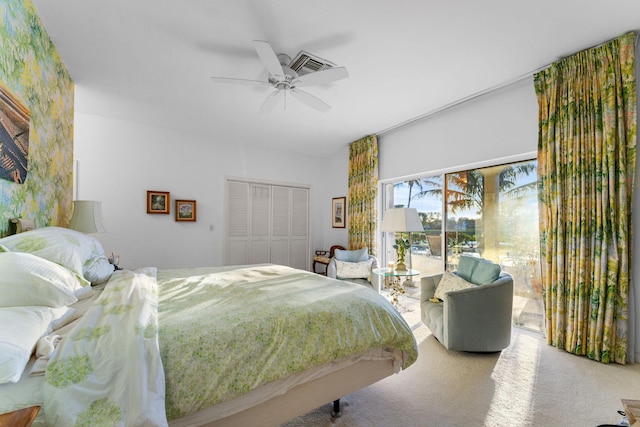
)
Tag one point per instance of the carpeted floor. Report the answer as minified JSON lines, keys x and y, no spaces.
{"x":527,"y":384}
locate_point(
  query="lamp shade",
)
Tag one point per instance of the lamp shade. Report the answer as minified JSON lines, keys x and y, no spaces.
{"x":87,"y":217}
{"x":402,"y":220}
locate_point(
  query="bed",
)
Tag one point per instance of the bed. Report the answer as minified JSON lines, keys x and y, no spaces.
{"x":242,"y":345}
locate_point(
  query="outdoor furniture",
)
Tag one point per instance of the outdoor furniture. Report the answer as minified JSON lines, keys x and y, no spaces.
{"x":435,"y":244}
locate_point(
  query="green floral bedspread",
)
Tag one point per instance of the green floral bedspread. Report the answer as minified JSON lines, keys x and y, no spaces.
{"x":108,"y":371}
{"x":224,"y":332}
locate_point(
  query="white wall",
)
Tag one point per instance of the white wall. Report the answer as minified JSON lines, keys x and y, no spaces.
{"x":119,"y":161}
{"x":336,"y":182}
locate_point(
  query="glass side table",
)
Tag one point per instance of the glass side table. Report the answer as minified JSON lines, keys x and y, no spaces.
{"x":396,"y":282}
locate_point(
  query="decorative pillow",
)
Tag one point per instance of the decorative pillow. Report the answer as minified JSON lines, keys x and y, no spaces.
{"x":17,"y":342}
{"x":451,"y":282}
{"x":485,"y":272}
{"x":78,"y":252}
{"x":353,"y":270}
{"x":26,"y":279}
{"x":97,"y":269}
{"x":356,"y":255}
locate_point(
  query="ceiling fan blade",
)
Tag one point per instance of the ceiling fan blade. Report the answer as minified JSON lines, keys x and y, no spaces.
{"x":310,"y":100}
{"x":321,"y":77}
{"x":245,"y":82}
{"x":270,"y":103}
{"x":269,"y":59}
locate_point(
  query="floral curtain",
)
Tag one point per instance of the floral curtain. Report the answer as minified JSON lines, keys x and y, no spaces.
{"x":586,"y":165}
{"x":363,"y":190}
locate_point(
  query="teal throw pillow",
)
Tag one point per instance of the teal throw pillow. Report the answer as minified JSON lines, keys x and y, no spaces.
{"x":466,"y":265}
{"x":485,"y":272}
{"x":357,"y":255}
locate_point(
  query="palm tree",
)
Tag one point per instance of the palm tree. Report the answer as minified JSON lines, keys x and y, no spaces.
{"x":466,"y":190}
{"x":411,"y":184}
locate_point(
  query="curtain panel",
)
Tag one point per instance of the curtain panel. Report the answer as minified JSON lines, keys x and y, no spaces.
{"x":363,"y":191}
{"x":586,"y":166}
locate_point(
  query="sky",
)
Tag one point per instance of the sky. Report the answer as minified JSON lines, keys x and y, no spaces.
{"x":431,"y":204}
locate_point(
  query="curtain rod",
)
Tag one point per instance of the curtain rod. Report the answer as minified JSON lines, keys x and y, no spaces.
{"x":489,"y":90}
{"x":463,"y":100}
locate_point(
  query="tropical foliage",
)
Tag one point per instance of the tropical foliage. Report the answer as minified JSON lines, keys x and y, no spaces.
{"x":465,"y":190}
{"x":363,"y":192}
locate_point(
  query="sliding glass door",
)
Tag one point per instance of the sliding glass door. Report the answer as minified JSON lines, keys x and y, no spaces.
{"x":489,"y":212}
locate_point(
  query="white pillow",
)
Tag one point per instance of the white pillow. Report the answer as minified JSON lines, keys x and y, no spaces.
{"x":353,"y":270}
{"x":21,"y":329}
{"x":26,"y":279}
{"x":78,"y":252}
{"x":451,"y":282}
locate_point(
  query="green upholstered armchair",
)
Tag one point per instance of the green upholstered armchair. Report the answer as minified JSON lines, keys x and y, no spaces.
{"x":469,"y":317}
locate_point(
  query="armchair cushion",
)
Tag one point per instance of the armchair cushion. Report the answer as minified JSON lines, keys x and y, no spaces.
{"x":450,"y":282}
{"x":353,"y":270}
{"x":356,"y":255}
{"x":369,"y":280}
{"x":322,"y":259}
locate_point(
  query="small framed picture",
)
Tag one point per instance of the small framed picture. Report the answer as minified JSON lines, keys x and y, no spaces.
{"x":339,"y":212}
{"x":185,"y":210}
{"x":158,"y":202}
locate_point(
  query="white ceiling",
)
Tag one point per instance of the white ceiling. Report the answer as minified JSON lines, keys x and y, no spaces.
{"x":151,"y":60}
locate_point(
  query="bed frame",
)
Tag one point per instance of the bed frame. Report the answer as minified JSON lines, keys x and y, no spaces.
{"x":298,"y":400}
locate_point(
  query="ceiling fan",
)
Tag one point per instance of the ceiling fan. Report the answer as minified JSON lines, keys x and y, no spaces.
{"x":286,"y":80}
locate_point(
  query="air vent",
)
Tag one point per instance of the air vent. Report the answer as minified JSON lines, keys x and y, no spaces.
{"x":305,"y":63}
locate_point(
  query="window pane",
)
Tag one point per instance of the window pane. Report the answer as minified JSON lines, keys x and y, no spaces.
{"x":490,"y":213}
{"x":493,"y":213}
{"x":425,"y":195}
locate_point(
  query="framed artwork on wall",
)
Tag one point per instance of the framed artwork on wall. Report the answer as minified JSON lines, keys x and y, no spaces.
{"x":158,"y":202}
{"x":14,"y":136}
{"x":185,"y":210}
{"x":339,"y":212}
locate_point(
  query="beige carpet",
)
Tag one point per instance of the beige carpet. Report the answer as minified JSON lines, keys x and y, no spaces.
{"x":528,"y":384}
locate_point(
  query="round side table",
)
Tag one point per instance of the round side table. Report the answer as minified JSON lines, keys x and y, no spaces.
{"x":396,"y":283}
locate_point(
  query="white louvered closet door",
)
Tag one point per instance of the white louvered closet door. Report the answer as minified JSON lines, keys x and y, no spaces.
{"x":299,"y":238}
{"x":267,"y":223}
{"x":237,"y":223}
{"x":280,"y":222}
{"x":259,"y":233}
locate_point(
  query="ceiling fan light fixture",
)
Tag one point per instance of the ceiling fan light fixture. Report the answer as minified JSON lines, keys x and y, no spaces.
{"x":285,"y":76}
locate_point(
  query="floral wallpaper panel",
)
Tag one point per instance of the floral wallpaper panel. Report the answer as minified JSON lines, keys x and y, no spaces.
{"x":32,"y":71}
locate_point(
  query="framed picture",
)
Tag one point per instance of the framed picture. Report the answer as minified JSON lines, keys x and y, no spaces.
{"x":185,"y":210}
{"x":158,"y":202}
{"x":14,"y":137}
{"x":339,"y":212}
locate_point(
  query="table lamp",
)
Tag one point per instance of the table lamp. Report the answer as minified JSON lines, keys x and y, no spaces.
{"x":87,"y":217}
{"x":402,"y":220}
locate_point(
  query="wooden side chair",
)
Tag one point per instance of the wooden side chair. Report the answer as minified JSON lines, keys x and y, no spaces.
{"x":323,"y":258}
